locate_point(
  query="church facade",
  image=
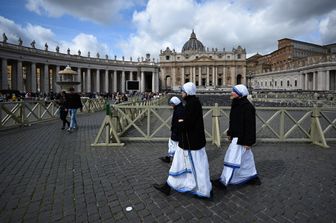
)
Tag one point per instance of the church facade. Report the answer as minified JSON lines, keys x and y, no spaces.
{"x":208,"y":69}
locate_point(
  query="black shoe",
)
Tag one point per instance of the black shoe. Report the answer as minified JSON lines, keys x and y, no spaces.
{"x":164,"y":188}
{"x":217,"y":183}
{"x":165,"y":159}
{"x":63,"y":128}
{"x":255,"y":181}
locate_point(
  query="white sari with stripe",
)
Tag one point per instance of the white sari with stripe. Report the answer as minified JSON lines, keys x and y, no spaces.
{"x":189,"y":172}
{"x":239,"y":165}
{"x":172,"y":145}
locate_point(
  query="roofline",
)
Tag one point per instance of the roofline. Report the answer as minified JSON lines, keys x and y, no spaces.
{"x":299,"y":41}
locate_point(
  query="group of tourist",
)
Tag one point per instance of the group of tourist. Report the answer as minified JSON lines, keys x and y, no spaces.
{"x":69,"y":103}
{"x":189,"y":171}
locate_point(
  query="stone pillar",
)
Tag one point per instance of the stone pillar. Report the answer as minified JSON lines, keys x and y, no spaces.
{"x":233,"y":76}
{"x":19,"y":79}
{"x":45,"y":79}
{"x":14,"y":76}
{"x":106,"y":84}
{"x":4,"y":74}
{"x":78,"y":78}
{"x":115,"y":81}
{"x":142,"y":81}
{"x":153,"y":81}
{"x":213,"y":75}
{"x":327,"y":80}
{"x":157,"y":80}
{"x":194,"y":75}
{"x":216,"y":76}
{"x":88,"y":80}
{"x":207,"y":76}
{"x":315,"y":80}
{"x":182,"y":76}
{"x":320,"y":79}
{"x":306,"y":81}
{"x":123,"y":81}
{"x":224,"y":77}
{"x":97,"y":80}
{"x":33,"y":77}
{"x":131,"y":75}
{"x":57,"y":87}
{"x":199,"y":76}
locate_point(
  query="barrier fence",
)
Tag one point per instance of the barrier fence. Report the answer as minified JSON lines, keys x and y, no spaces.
{"x":150,"y":121}
{"x":21,"y":113}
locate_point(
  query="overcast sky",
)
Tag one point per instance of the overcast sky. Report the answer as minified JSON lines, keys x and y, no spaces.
{"x":132,"y":28}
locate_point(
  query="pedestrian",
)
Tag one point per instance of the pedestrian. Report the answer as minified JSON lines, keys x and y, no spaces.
{"x":174,"y":139}
{"x":239,"y":165}
{"x":73,"y":102}
{"x":61,"y":101}
{"x":189,"y":171}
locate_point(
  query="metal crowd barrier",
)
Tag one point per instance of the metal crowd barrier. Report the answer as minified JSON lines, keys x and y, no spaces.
{"x":23,"y":113}
{"x":148,"y":121}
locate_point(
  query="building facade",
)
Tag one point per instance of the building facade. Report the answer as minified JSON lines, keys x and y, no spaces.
{"x":295,"y":65}
{"x":208,"y":69}
{"x":29,"y":69}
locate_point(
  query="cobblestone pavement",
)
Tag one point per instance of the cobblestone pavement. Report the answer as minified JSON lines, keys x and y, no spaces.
{"x":49,"y":175}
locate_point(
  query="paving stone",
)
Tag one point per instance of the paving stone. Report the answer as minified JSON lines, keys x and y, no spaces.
{"x":49,"y":176}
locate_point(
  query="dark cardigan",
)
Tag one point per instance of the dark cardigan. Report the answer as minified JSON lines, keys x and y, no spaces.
{"x":193,"y":137}
{"x":242,"y":121}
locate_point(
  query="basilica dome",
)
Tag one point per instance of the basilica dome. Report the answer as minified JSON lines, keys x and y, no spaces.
{"x":193,"y":44}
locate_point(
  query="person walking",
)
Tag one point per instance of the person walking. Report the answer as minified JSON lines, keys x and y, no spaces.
{"x":174,"y":139}
{"x":239,"y":165}
{"x":73,"y":102}
{"x":61,"y":101}
{"x":189,"y":171}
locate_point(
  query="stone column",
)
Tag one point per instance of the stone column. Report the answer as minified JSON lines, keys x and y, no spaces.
{"x":224,"y":76}
{"x":57,"y":87}
{"x":194,"y":75}
{"x":314,"y":80}
{"x":33,"y":77}
{"x":115,"y":82}
{"x":142,"y":81}
{"x":88,"y":80}
{"x":216,"y":76}
{"x":182,"y":76}
{"x":19,"y":76}
{"x":4,"y":75}
{"x":131,"y":75}
{"x":199,"y":76}
{"x":327,"y":80}
{"x":320,"y":79}
{"x":213,"y":76}
{"x":14,"y":76}
{"x":207,"y":76}
{"x":123,"y":81}
{"x":233,"y":76}
{"x":97,"y":80}
{"x":153,"y":81}
{"x":78,"y":78}
{"x":106,"y":84}
{"x":306,"y":81}
{"x":45,"y":79}
{"x":157,"y":80}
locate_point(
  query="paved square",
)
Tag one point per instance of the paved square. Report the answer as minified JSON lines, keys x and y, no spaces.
{"x":49,"y":175}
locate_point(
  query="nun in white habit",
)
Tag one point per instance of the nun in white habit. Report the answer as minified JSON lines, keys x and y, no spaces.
{"x":239,"y":165}
{"x":189,"y":171}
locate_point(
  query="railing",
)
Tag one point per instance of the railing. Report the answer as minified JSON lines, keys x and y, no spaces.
{"x":22,"y":113}
{"x":148,"y":122}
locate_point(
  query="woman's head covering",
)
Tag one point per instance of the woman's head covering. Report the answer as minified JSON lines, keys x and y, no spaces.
{"x":240,"y":90}
{"x":189,"y":88}
{"x":174,"y":101}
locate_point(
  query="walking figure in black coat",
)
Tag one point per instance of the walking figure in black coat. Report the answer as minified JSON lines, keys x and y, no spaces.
{"x":239,"y":165}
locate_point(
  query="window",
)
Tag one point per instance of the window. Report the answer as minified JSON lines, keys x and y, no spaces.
{"x":287,"y":83}
{"x":295,"y":83}
{"x":281,"y":83}
{"x":238,"y":56}
{"x":167,"y":57}
{"x":275,"y":83}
